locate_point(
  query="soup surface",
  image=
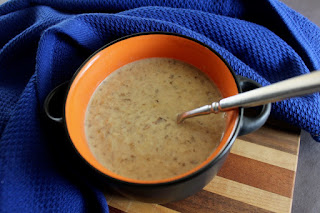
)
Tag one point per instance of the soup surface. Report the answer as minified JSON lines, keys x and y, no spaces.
{"x":131,"y":119}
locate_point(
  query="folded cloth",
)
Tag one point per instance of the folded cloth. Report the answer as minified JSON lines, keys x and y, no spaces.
{"x":44,"y":42}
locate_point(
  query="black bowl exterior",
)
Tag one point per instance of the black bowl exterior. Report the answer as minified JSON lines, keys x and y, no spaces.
{"x":152,"y":193}
{"x":170,"y":192}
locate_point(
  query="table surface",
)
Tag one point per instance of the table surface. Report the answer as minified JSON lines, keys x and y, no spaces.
{"x":258,"y":176}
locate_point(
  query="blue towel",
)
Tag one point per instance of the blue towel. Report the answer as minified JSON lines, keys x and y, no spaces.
{"x":42,"y":43}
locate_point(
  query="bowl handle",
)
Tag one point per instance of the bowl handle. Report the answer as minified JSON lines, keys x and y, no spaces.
{"x":252,"y":123}
{"x":54,"y":103}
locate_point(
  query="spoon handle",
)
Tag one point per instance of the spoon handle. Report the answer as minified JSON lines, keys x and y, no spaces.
{"x":297,"y":86}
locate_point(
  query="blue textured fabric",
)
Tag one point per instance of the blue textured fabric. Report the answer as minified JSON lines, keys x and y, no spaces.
{"x":42,"y":43}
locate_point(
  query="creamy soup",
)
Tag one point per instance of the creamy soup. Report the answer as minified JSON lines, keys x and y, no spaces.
{"x":131,"y":119}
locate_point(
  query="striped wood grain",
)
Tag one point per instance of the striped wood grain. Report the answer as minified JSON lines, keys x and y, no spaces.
{"x":258,"y":176}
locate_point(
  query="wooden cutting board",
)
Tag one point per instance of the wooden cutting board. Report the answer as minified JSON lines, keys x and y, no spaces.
{"x":258,"y":176}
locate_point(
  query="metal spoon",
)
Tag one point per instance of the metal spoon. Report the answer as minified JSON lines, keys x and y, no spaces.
{"x":297,"y":86}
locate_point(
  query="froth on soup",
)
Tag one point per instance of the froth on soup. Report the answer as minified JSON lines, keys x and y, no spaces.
{"x":130,"y":122}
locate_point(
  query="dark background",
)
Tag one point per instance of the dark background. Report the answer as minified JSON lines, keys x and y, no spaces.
{"x":306,"y":197}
